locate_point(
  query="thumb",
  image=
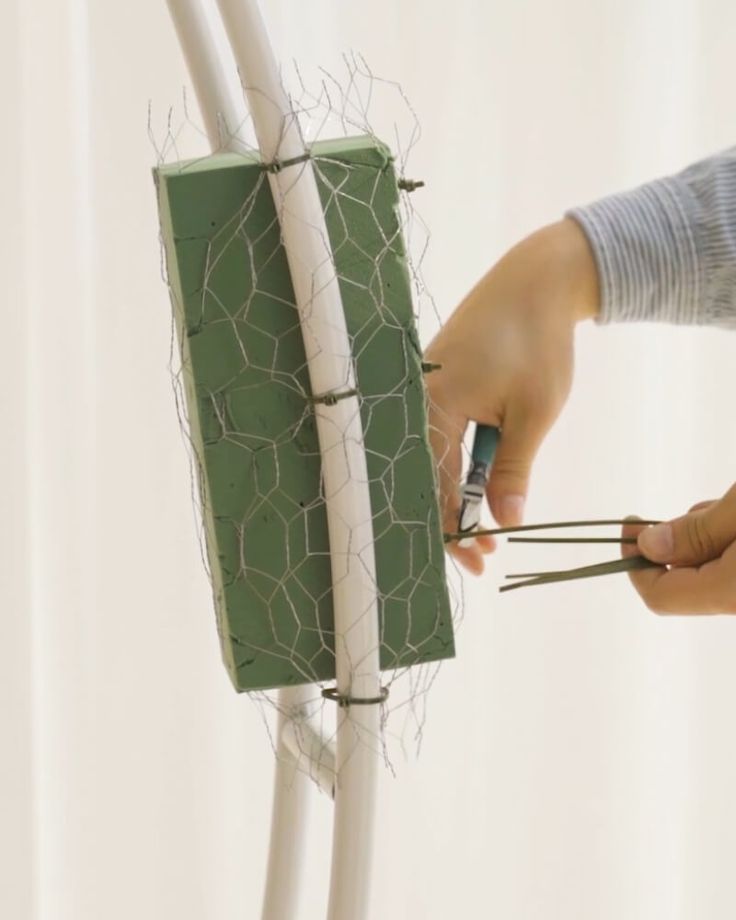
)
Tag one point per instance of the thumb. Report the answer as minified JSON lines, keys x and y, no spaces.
{"x":509,"y":480}
{"x":693,"y":538}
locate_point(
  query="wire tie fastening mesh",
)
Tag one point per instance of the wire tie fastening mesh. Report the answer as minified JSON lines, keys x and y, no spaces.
{"x":330,"y":399}
{"x":428,"y":367}
{"x":410,"y":185}
{"x":331,"y":693}
{"x":277,"y":165}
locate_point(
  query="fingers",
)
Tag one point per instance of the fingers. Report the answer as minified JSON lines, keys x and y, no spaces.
{"x":508,"y":484}
{"x":706,"y":589}
{"x":445,"y":436}
{"x":693,"y":538}
{"x":643,"y":580}
{"x":631,"y":529}
{"x":471,"y":557}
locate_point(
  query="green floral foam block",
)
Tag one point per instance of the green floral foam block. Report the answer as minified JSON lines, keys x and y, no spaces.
{"x":252,"y":425}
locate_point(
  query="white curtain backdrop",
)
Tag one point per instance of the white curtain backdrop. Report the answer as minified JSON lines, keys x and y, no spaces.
{"x":579,"y":754}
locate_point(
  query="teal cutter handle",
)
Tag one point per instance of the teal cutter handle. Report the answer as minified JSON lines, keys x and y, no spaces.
{"x":485,"y":442}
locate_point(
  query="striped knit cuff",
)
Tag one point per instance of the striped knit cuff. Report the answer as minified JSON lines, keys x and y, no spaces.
{"x":647,"y":253}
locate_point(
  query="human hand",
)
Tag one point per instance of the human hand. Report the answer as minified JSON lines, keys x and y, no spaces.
{"x":701,"y":555}
{"x":506,"y":357}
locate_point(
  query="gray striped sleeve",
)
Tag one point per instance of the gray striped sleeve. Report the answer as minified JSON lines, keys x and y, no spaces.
{"x":666,"y":251}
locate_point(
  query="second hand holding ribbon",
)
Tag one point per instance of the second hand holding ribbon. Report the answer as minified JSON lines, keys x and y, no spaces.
{"x":484,"y":448}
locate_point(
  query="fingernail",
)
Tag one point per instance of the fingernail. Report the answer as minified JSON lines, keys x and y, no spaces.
{"x":466,"y":542}
{"x":512,"y":510}
{"x":658,"y":541}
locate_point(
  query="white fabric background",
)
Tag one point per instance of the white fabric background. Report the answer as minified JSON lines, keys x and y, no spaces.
{"x":579,"y":755}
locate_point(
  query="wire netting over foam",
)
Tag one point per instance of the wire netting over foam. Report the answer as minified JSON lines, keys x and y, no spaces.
{"x":244,"y":400}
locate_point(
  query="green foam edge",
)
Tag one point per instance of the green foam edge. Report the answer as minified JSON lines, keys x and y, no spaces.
{"x":251,"y":423}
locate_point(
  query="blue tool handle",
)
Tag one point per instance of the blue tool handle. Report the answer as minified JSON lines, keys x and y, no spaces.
{"x":484,"y":448}
{"x":484,"y":443}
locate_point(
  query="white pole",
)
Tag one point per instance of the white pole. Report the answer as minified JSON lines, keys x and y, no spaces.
{"x":289,"y":813}
{"x":339,"y":428}
{"x":214,"y":75}
{"x":212,"y":71}
{"x":314,"y":753}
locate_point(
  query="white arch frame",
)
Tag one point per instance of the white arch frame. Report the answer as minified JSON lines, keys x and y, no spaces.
{"x":345,"y":477}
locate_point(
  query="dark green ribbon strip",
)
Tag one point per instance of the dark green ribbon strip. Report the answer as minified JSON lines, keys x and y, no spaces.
{"x":629,"y":564}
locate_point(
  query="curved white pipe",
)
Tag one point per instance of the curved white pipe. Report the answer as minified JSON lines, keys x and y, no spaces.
{"x":289,"y":813}
{"x":214,"y":75}
{"x":339,"y":428}
{"x":314,"y":754}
